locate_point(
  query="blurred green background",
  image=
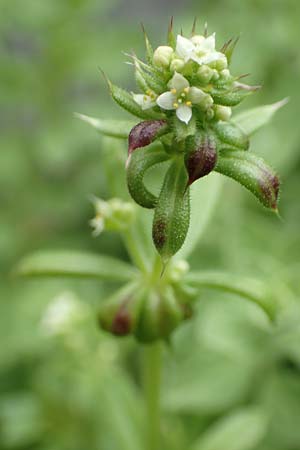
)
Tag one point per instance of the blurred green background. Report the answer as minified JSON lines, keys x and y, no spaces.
{"x":229,"y":370}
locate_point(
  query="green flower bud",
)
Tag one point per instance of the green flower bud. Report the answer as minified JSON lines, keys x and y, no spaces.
{"x":230,"y":134}
{"x":221,"y":63}
{"x":251,"y":172}
{"x":201,"y":156}
{"x":222,"y":113}
{"x":162,"y":56}
{"x":172,"y":212}
{"x":137,"y":165}
{"x":160,"y":316}
{"x":119,"y":314}
{"x":204,"y":74}
{"x":177,"y":65}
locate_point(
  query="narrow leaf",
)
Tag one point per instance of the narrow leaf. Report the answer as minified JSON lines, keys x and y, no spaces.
{"x":253,"y":119}
{"x":137,"y":165}
{"x":247,"y":288}
{"x":253,"y":173}
{"x":172,"y":212}
{"x":113,"y":128}
{"x":204,"y":197}
{"x":64,"y":263}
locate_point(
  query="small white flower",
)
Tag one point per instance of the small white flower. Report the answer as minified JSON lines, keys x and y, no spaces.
{"x":97,"y":223}
{"x":181,"y":97}
{"x":64,"y":311}
{"x":200,"y":49}
{"x":145,"y":101}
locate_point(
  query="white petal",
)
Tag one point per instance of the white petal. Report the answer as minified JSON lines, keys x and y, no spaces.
{"x":98,"y":224}
{"x":196,"y":95}
{"x":166,"y":100}
{"x":210,"y":57}
{"x":184,"y":113}
{"x":197,"y":40}
{"x":209,"y":43}
{"x":144,"y":101}
{"x":184,"y":47}
{"x":178,"y":82}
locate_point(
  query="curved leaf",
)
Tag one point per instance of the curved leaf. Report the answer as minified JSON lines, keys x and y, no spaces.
{"x":64,"y":263}
{"x":245,"y":287}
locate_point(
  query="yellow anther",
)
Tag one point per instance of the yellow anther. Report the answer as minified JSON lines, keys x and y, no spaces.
{"x":175,"y":105}
{"x":180,"y":100}
{"x":186,"y":90}
{"x":188,"y":103}
{"x":183,"y":95}
{"x":173,"y":91}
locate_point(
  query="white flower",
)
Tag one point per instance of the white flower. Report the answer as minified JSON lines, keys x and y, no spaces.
{"x":62,"y":313}
{"x":114,"y":215}
{"x":181,"y":97}
{"x":145,"y":101}
{"x":200,"y":49}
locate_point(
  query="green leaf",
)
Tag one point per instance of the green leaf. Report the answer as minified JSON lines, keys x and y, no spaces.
{"x":241,"y":430}
{"x":204,"y":195}
{"x":253,"y":119}
{"x":245,"y":287}
{"x":65,"y":263}
{"x":113,"y":128}
{"x":253,"y":173}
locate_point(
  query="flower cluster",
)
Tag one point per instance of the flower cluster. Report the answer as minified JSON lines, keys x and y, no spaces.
{"x":194,"y":59}
{"x":186,"y":100}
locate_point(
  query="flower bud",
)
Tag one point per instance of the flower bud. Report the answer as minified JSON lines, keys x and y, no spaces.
{"x":161,"y":314}
{"x":120,"y":313}
{"x":177,"y":65}
{"x":231,"y":134}
{"x":223,"y":113}
{"x":251,"y":172}
{"x":172,"y":212}
{"x":146,"y":132}
{"x":201,"y":156}
{"x":162,"y":56}
{"x":204,"y":74}
{"x":221,"y":63}
{"x":138,"y":164}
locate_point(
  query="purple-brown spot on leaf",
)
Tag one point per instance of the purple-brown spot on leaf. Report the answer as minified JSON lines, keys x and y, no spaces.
{"x":159,"y":233}
{"x":202,"y":160}
{"x":121,"y":325}
{"x":144,"y":133}
{"x":269,"y":186}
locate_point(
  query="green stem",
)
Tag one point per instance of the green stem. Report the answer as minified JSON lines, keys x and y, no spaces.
{"x":134,"y":250}
{"x":152,"y":380}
